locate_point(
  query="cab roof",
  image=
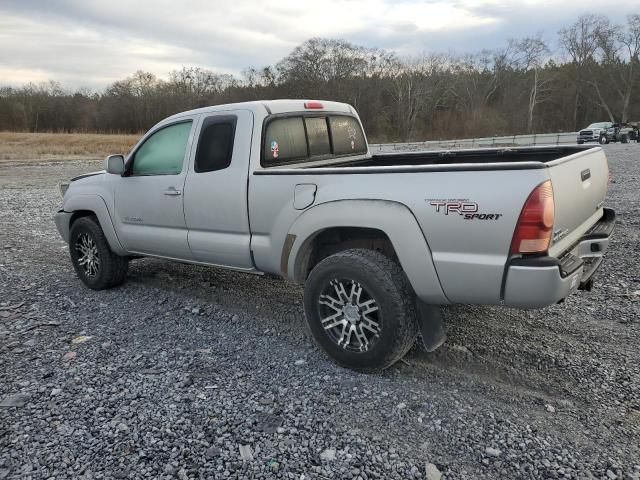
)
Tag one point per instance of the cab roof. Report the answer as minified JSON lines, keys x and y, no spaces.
{"x":270,"y":107}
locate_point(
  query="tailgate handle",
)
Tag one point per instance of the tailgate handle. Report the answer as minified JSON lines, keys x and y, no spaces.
{"x":585,"y":175}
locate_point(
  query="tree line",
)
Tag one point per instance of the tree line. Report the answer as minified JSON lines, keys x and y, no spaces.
{"x":592,"y":73}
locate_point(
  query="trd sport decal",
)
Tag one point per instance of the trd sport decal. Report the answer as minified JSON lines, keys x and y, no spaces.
{"x":467,"y":209}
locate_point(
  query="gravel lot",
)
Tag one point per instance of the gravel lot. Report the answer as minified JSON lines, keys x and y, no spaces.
{"x":191,"y":372}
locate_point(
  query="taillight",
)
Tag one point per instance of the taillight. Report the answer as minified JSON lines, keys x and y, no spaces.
{"x":535,"y":225}
{"x":313,"y":105}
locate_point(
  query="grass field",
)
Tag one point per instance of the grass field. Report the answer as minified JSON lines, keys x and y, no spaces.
{"x":59,"y":146}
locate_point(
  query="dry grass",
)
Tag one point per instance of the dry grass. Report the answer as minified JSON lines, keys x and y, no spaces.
{"x":60,"y":146}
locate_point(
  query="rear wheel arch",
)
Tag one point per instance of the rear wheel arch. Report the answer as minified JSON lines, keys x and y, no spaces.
{"x":381,"y":225}
{"x":332,"y":240}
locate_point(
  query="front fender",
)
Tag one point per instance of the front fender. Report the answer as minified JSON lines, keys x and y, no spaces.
{"x":97,"y":205}
{"x":393,"y":218}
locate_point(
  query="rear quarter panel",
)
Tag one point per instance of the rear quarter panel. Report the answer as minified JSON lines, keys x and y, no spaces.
{"x":469,"y":254}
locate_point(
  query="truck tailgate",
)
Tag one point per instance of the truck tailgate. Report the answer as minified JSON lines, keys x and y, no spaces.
{"x":579,"y":188}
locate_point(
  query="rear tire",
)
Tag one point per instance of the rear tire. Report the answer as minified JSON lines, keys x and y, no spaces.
{"x":361,"y":309}
{"x":94,"y":262}
{"x":625,"y":139}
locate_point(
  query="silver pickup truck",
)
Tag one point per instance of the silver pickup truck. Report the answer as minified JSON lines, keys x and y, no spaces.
{"x":380,"y":241}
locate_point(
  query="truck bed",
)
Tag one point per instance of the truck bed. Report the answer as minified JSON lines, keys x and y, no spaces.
{"x":468,"y":156}
{"x":494,"y":182}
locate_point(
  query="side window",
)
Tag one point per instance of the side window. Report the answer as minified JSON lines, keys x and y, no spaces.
{"x":346,"y":135}
{"x":163,"y":152}
{"x":215,"y":147}
{"x":285,"y":140}
{"x":318,"y":136}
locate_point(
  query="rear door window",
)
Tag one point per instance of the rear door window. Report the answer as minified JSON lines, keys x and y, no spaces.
{"x":215,"y":147}
{"x":346,"y":135}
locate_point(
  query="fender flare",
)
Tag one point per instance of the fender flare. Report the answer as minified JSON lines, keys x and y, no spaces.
{"x":97,"y":205}
{"x":392,"y":218}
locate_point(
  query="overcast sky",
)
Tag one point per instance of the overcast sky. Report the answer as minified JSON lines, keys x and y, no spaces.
{"x":90,"y":43}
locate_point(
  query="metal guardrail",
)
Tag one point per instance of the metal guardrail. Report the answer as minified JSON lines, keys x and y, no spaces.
{"x":534,"y":139}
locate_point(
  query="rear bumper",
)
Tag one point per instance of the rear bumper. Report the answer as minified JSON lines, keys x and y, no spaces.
{"x":535,"y":282}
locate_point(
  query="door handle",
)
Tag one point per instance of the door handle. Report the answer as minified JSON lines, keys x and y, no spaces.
{"x":171,"y":191}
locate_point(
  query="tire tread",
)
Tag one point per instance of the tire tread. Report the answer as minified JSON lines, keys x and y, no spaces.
{"x":396,"y":286}
{"x":114,"y":266}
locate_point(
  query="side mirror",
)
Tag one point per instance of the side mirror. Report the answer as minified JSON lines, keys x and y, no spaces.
{"x":114,"y":164}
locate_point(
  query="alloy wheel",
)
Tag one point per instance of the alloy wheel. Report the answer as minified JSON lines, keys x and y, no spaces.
{"x":349,"y":315}
{"x":88,"y":257}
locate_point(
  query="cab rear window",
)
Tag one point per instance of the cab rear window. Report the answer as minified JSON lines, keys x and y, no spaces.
{"x":318,"y":136}
{"x":347,"y":136}
{"x":285,"y":140}
{"x":296,"y":139}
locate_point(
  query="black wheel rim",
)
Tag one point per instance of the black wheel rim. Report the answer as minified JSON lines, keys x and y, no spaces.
{"x":349,"y":315}
{"x":88,"y":256}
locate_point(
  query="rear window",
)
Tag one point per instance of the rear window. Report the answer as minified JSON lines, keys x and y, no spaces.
{"x":318,"y":136}
{"x":299,"y":138}
{"x":347,"y":136}
{"x":285,"y":141}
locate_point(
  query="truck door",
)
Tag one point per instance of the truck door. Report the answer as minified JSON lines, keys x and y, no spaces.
{"x":149,"y":197}
{"x":215,"y":200}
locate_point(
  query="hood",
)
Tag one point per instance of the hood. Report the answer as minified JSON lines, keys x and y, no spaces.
{"x":86,"y":175}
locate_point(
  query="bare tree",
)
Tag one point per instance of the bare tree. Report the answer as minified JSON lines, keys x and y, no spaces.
{"x":580,"y":41}
{"x":619,"y":48}
{"x":478,"y":78}
{"x":416,"y":87}
{"x":319,"y":63}
{"x":200,"y":82}
{"x":529,"y":55}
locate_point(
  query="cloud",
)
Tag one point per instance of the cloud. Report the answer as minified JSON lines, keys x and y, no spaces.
{"x":80,"y":43}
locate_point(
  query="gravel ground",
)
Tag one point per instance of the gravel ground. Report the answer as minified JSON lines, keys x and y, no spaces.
{"x":192,"y":372}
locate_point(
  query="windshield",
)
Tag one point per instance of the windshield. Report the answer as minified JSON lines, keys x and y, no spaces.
{"x":600,"y":125}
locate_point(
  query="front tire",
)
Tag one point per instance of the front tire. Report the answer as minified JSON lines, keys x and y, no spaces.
{"x":94,"y":262}
{"x":361,"y":309}
{"x":603,"y":140}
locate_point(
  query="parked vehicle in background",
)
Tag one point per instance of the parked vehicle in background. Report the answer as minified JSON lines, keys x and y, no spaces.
{"x":622,"y":132}
{"x":380,"y":241}
{"x":596,"y":132}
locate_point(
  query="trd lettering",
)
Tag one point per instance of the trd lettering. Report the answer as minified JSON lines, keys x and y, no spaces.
{"x":468,"y":210}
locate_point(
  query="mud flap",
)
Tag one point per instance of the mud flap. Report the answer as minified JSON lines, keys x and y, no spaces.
{"x":431,"y":326}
